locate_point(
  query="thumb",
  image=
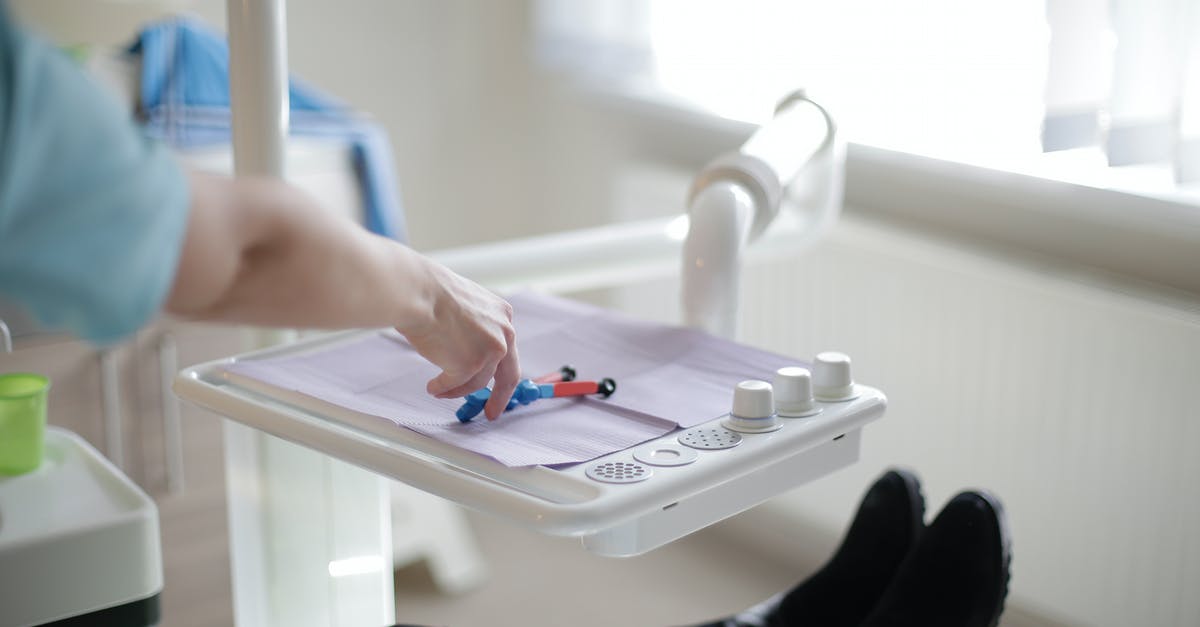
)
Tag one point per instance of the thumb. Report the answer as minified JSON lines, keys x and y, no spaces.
{"x":441,"y":383}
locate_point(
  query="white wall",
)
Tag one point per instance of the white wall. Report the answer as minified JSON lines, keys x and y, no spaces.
{"x":1069,"y":395}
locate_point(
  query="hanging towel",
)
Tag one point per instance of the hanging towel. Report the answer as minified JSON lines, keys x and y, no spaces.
{"x":184,"y":100}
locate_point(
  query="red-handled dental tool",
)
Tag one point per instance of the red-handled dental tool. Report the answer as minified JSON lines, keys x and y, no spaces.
{"x":604,"y":387}
{"x":566,"y":373}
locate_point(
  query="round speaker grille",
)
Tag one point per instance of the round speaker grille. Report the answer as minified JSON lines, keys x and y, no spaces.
{"x":709,"y":438}
{"x":618,"y":472}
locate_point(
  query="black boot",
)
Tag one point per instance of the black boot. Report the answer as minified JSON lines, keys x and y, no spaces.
{"x":957,"y":576}
{"x":888,"y":523}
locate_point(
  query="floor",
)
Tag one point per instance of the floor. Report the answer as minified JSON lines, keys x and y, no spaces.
{"x":537,"y":580}
{"x":534,"y":580}
{"x":195,"y":534}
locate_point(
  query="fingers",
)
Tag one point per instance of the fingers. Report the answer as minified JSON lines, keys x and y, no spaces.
{"x":471,"y":338}
{"x":508,"y":372}
{"x":444,"y":382}
{"x":478,"y":380}
{"x":439,"y":384}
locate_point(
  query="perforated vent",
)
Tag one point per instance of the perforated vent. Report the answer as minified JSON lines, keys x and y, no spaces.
{"x":618,"y":472}
{"x":709,"y":438}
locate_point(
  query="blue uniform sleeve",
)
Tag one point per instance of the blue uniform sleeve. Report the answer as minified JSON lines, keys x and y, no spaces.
{"x":92,"y":213}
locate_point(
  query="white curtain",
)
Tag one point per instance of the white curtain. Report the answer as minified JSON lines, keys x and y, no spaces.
{"x":1125,"y":75}
{"x":971,"y":81}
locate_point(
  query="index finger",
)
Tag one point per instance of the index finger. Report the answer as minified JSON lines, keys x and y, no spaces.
{"x":508,"y":373}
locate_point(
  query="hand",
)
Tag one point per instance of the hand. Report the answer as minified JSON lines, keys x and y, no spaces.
{"x":260,"y":251}
{"x":469,"y":335}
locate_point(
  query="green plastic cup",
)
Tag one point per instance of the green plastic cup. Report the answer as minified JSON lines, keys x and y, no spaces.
{"x":22,"y":421}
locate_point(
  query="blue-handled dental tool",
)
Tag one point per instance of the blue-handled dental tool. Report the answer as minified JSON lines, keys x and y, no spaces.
{"x":529,"y":390}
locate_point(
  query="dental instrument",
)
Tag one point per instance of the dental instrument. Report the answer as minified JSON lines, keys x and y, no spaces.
{"x":475,"y":401}
{"x":528,"y":391}
{"x":566,"y":373}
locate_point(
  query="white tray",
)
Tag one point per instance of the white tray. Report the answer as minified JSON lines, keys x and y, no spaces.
{"x":76,"y":537}
{"x":616,"y":519}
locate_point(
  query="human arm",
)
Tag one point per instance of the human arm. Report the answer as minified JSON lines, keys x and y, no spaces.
{"x":98,"y":224}
{"x":259,"y":251}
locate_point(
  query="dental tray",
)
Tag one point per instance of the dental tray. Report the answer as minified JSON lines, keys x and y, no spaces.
{"x":621,"y":504}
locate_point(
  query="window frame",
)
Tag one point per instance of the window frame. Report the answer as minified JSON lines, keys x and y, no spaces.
{"x":1125,"y":233}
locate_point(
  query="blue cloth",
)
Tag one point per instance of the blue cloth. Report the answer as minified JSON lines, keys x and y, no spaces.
{"x":92,"y":212}
{"x":185,"y":101}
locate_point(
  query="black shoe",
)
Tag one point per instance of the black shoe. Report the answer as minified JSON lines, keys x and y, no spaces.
{"x":958,"y":574}
{"x":885,"y":529}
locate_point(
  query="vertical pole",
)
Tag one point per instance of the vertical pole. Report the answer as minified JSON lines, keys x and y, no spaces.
{"x":310,"y":536}
{"x":258,"y":92}
{"x":110,"y":404}
{"x":168,"y":365}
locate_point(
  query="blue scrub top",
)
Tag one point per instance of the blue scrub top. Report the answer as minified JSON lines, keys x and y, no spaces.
{"x":92,"y":213}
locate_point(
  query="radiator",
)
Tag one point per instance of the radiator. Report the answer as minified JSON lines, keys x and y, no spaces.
{"x":1071,"y":396}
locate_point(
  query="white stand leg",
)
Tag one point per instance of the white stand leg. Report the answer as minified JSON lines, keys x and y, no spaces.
{"x":431,"y":528}
{"x":310,"y":536}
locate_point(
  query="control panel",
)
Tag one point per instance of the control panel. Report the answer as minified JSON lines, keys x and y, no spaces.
{"x":795,"y":395}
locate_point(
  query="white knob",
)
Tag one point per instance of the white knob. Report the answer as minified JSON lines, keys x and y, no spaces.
{"x":753,"y":399}
{"x":794,"y":392}
{"x":753,"y":407}
{"x":831,"y":378}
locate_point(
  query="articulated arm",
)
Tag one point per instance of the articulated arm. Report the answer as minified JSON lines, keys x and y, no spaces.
{"x":738,"y":196}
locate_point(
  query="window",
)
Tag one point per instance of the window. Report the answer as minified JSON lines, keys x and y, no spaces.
{"x":1056,"y":88}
